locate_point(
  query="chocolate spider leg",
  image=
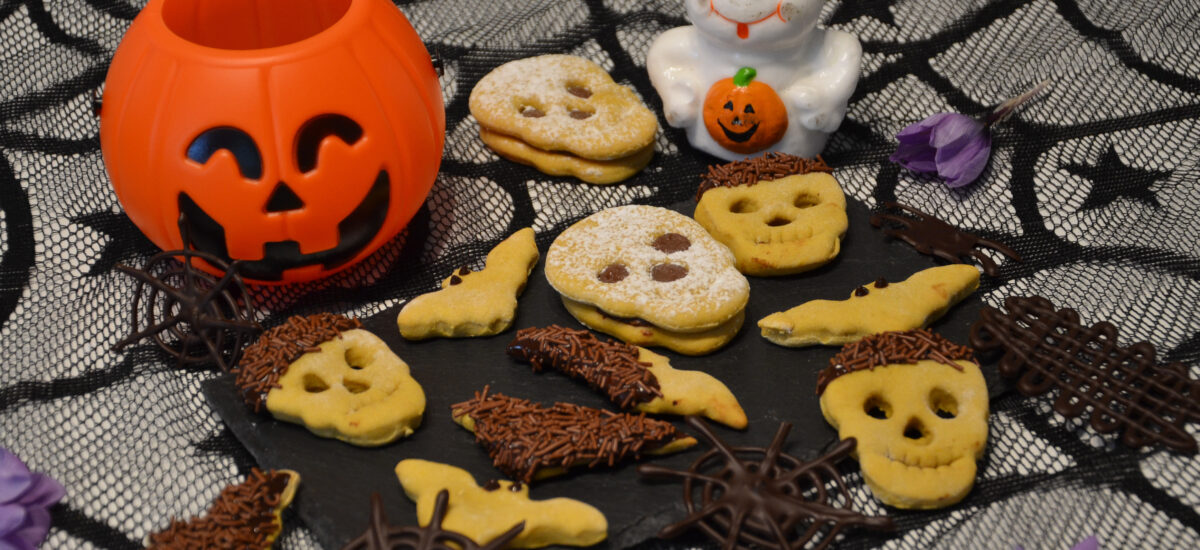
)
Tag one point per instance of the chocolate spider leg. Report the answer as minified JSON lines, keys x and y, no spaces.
{"x":989,"y":266}
{"x":999,"y":247}
{"x":921,"y":216}
{"x":878,"y":219}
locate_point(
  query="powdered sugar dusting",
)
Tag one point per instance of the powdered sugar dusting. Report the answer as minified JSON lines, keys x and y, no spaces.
{"x":712,"y":291}
{"x":616,"y":124}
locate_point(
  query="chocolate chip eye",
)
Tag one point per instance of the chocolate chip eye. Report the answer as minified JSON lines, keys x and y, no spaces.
{"x":861,"y":291}
{"x":671,"y":242}
{"x":613,"y":273}
{"x":665,"y":273}
{"x":579,"y":91}
{"x":580,"y":115}
{"x":455,"y":279}
{"x":877,"y":407}
{"x":530,"y":111}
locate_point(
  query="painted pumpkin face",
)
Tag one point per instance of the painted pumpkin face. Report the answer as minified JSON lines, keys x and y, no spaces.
{"x":744,"y":116}
{"x":298,"y":145}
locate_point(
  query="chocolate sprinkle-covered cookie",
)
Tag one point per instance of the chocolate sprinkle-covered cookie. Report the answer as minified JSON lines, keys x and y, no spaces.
{"x":748,"y":497}
{"x":243,"y":517}
{"x":893,"y":348}
{"x":381,"y":536}
{"x":771,"y":166}
{"x":522,"y":437}
{"x":1120,"y":388}
{"x":268,"y":358}
{"x":934,"y":237}
{"x":609,"y":366}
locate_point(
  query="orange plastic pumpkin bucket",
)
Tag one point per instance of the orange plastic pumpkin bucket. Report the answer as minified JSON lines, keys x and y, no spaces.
{"x":295,"y":135}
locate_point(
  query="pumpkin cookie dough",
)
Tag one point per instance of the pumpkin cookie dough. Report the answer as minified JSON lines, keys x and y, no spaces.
{"x":487,"y":512}
{"x":918,"y":406}
{"x":336,"y":379}
{"x":789,"y":221}
{"x":644,"y":270}
{"x":564,"y":115}
{"x":474,"y":304}
{"x":874,"y":308}
{"x":632,"y":377}
{"x":528,"y":441}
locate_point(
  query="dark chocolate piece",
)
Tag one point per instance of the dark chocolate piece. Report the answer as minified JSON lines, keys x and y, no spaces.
{"x":579,"y":115}
{"x":381,"y":536}
{"x":881,"y":283}
{"x":771,"y":166}
{"x":268,"y":358}
{"x":934,"y":237}
{"x":522,"y":437}
{"x":861,"y":291}
{"x":893,"y":348}
{"x":609,"y":366}
{"x":455,"y":279}
{"x":243,"y":516}
{"x":671,"y":242}
{"x":532,"y":112}
{"x":746,"y":497}
{"x":1119,"y":388}
{"x":665,"y":273}
{"x":614,"y":273}
{"x":579,"y":91}
{"x":190,"y":314}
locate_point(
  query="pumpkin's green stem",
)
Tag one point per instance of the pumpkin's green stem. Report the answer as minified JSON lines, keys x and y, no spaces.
{"x":743,"y":76}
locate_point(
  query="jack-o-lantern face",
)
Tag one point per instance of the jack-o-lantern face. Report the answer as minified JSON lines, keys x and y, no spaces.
{"x":742,"y":115}
{"x":297,"y":145}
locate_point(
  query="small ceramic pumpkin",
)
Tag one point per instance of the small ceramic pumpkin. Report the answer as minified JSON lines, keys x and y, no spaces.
{"x":742,"y":115}
{"x":295,"y":135}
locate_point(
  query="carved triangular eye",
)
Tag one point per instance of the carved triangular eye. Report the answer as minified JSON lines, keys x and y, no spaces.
{"x":749,"y":109}
{"x":309,"y":138}
{"x":729,"y":105}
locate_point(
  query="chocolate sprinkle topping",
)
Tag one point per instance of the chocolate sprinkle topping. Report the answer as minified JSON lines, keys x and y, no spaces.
{"x":614,"y":273}
{"x":243,"y":516}
{"x":268,"y":358}
{"x":934,"y":237}
{"x":777,"y":500}
{"x":522,"y":437}
{"x":381,"y":536}
{"x":609,"y":366}
{"x":893,"y":348}
{"x":671,"y":242}
{"x":771,"y":166}
{"x":1117,"y":387}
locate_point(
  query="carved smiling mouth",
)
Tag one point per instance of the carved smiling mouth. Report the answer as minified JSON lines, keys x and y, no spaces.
{"x":355,"y":232}
{"x":738,"y":137}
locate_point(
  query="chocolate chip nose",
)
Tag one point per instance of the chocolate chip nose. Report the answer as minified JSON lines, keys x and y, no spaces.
{"x":283,"y":199}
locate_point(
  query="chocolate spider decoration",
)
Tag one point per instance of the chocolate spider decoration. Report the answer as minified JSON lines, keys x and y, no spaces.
{"x":381,"y":536}
{"x":1117,"y":388}
{"x":190,"y":314}
{"x":934,"y":237}
{"x":776,"y":501}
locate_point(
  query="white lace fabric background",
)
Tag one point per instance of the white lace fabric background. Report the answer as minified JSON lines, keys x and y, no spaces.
{"x":1096,"y":186}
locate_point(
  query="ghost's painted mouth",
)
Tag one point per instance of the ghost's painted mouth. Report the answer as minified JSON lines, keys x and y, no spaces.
{"x":743,"y":27}
{"x":738,"y":137}
{"x":355,"y":232}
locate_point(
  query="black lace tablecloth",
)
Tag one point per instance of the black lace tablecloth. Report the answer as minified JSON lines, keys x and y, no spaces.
{"x":1096,"y":186}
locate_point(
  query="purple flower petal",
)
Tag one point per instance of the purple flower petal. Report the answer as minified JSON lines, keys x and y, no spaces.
{"x":918,"y":157}
{"x":45,"y":492}
{"x":1090,"y":543}
{"x":959,"y":168}
{"x":15,"y":478}
{"x":36,"y":527}
{"x":955,"y":129}
{"x":11,"y":517}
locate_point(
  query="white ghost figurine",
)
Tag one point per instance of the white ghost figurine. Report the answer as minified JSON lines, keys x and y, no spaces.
{"x":711,"y":76}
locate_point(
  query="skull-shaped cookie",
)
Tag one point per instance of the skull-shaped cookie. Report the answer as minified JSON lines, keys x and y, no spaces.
{"x":777,"y":227}
{"x":920,"y":426}
{"x":644,"y":264}
{"x":351,"y":387}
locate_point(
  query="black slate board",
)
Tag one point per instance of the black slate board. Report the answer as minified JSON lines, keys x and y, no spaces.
{"x":772,"y":383}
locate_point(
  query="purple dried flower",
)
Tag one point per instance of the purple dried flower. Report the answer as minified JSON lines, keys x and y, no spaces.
{"x":953,"y":147}
{"x":24,"y":501}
